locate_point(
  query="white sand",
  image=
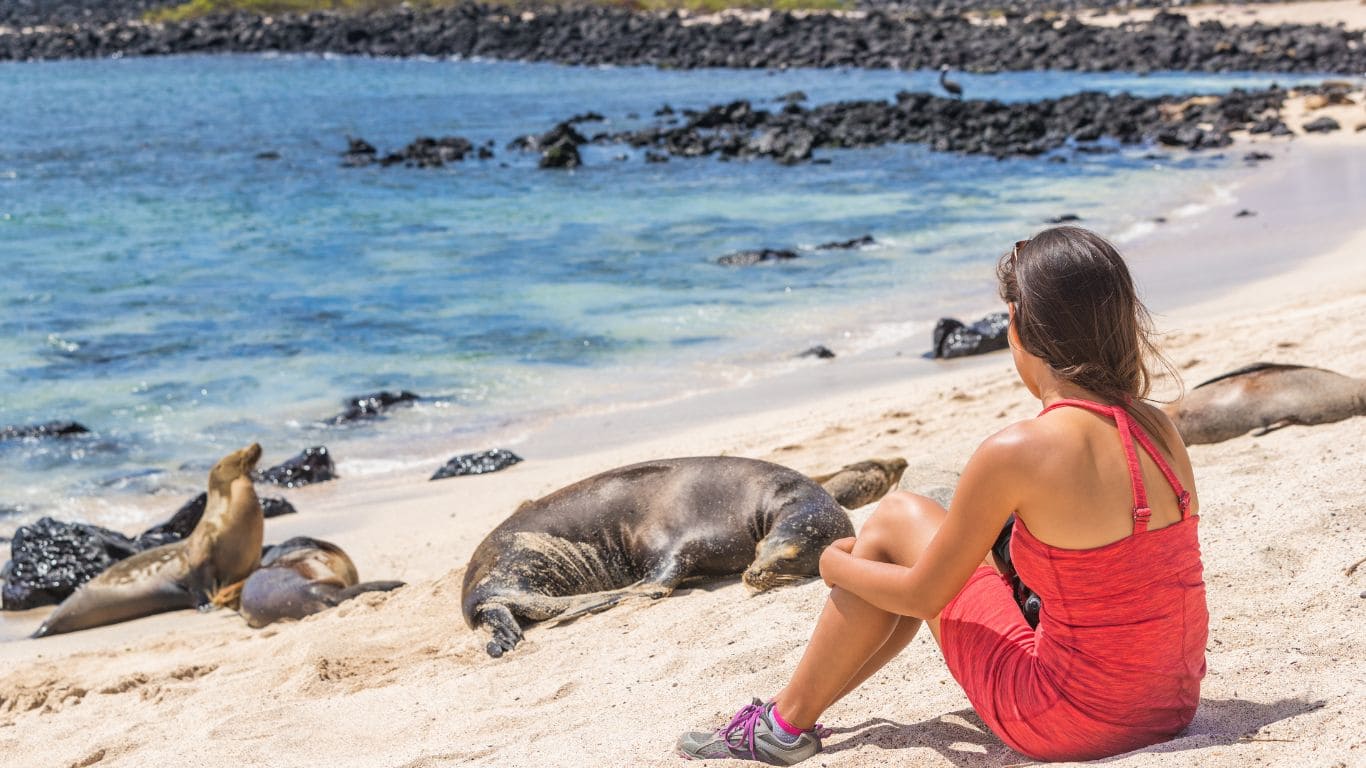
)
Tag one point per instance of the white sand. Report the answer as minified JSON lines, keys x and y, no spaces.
{"x":1349,"y":13}
{"x":398,"y":680}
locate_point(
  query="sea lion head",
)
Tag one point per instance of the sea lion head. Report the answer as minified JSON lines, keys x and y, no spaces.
{"x":236,"y":464}
{"x":894,"y":468}
{"x":792,"y":549}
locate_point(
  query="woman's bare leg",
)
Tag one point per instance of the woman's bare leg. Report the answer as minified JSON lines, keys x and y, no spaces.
{"x":853,"y":638}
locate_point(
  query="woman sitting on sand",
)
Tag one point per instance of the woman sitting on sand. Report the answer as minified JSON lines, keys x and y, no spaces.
{"x":1118,"y":656}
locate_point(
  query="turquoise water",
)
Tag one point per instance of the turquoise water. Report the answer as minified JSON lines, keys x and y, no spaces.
{"x":182,"y":297}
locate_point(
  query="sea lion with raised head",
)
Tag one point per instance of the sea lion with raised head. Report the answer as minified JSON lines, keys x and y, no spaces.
{"x":640,"y":531}
{"x":223,"y":548}
{"x":1265,"y":397}
{"x":300,"y":578}
{"x":857,"y":485}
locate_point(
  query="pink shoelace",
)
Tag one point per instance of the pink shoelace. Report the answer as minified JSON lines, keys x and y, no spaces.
{"x":746,"y":720}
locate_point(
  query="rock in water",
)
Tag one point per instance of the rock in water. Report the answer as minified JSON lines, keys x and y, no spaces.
{"x":50,"y":559}
{"x":562,"y":154}
{"x":477,"y":463}
{"x":358,"y":152}
{"x":857,"y":242}
{"x":371,"y":405}
{"x":750,"y":258}
{"x":38,"y":431}
{"x":954,"y":339}
{"x":819,"y":351}
{"x":314,"y":465}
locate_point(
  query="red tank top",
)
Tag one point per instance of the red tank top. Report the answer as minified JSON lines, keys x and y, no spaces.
{"x":1123,"y":627}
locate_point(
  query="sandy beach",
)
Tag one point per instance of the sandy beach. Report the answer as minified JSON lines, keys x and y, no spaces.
{"x":398,"y":680}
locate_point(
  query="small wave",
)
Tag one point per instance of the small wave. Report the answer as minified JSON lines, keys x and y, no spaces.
{"x":1134,"y":231}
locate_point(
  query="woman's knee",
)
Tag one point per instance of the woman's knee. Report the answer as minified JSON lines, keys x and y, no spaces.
{"x":900,"y":527}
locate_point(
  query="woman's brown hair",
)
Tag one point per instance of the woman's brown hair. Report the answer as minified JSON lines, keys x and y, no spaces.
{"x":1077,"y":310}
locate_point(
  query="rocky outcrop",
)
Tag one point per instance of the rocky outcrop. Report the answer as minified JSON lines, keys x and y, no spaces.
{"x":1090,"y":121}
{"x":847,"y":245}
{"x":477,"y":463}
{"x":952,"y":338}
{"x":618,"y":36}
{"x":755,"y":256}
{"x":314,"y":465}
{"x":49,"y":559}
{"x":423,"y":152}
{"x":371,"y":406}
{"x":40,"y":431}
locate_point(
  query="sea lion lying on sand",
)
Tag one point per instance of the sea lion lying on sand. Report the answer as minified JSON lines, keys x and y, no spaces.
{"x":863,"y":483}
{"x":640,"y":531}
{"x":224,"y":547}
{"x":299,"y":578}
{"x":1265,"y":397}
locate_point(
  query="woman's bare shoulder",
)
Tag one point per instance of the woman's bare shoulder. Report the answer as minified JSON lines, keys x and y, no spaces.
{"x":1017,"y":443}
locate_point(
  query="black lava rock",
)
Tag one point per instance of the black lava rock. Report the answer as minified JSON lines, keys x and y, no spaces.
{"x":819,"y":351}
{"x":49,"y":559}
{"x":1324,"y":124}
{"x":1074,"y":123}
{"x":422,"y":152}
{"x":358,"y":152}
{"x":314,"y":465}
{"x":372,"y":405}
{"x":40,"y":431}
{"x":595,"y":35}
{"x":857,"y":242}
{"x":1244,"y":213}
{"x":1063,"y":219}
{"x":954,"y":339}
{"x":750,"y":258}
{"x":563,"y":154}
{"x":477,"y":463}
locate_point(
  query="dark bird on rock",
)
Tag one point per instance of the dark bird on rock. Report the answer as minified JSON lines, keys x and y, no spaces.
{"x":955,"y":90}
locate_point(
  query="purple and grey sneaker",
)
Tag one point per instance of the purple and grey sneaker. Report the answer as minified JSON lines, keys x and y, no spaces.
{"x":752,"y":735}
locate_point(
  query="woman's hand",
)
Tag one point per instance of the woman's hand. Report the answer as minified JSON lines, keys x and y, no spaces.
{"x":838,"y":548}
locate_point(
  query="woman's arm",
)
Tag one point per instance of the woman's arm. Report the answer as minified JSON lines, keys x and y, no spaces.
{"x":987,"y":494}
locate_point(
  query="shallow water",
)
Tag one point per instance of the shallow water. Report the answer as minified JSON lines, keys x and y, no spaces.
{"x":182,"y":297}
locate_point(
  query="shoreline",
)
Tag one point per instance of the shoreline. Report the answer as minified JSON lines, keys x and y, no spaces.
{"x":1279,"y":517}
{"x":874,"y":40}
{"x":894,"y":350}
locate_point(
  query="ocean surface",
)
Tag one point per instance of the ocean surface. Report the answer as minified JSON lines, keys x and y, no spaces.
{"x":181,"y":296}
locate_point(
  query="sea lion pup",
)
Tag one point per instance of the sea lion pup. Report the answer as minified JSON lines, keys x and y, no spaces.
{"x":640,"y":531}
{"x":1265,"y":397}
{"x":223,"y":548}
{"x":863,"y":483}
{"x":299,"y":578}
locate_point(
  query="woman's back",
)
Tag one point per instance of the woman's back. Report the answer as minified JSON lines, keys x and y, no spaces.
{"x":1121,"y":636}
{"x":1083,"y":496}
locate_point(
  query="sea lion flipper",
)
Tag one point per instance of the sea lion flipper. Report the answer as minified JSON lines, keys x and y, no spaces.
{"x":1273,"y":426}
{"x":504,"y":631}
{"x":98,"y":603}
{"x":597,"y":602}
{"x":365,"y":586}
